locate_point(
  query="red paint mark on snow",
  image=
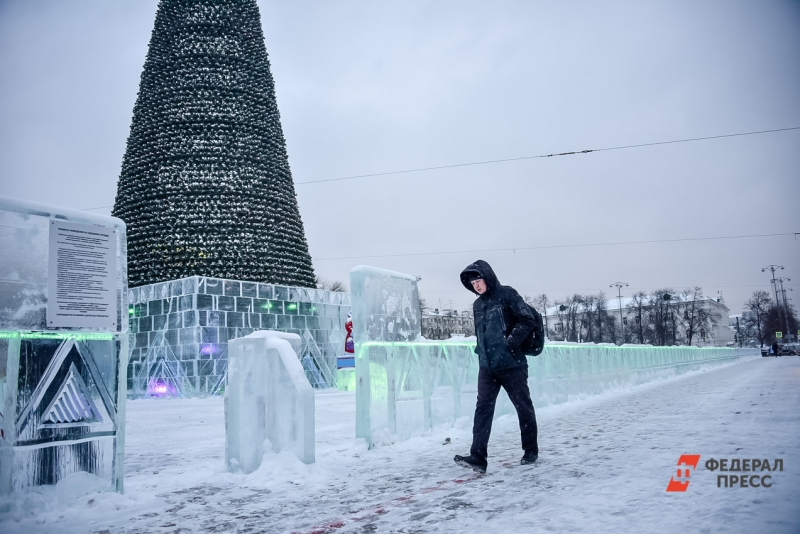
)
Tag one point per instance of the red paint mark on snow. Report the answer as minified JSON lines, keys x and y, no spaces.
{"x":381,"y":509}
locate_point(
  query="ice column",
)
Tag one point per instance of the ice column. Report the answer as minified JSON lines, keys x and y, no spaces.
{"x":63,"y":345}
{"x":385,"y":308}
{"x":268,"y":397}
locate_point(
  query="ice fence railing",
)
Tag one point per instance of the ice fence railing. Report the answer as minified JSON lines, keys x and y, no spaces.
{"x":406,"y":388}
{"x":269,"y":402}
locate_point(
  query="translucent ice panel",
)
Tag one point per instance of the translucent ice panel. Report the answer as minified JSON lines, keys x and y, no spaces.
{"x":385,"y":305}
{"x":268,"y":402}
{"x":26,"y":232}
{"x":404,"y":389}
{"x":63,"y":344}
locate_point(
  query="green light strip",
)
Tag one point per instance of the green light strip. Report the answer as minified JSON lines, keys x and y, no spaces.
{"x":387,"y":344}
{"x":79,"y":336}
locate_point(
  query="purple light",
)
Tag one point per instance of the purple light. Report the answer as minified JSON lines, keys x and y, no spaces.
{"x":160,"y":388}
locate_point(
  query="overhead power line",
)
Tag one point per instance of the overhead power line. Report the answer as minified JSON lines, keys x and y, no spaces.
{"x":598,"y":289}
{"x":522,"y":158}
{"x":542,"y":247}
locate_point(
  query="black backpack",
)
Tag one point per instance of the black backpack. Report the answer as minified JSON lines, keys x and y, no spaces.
{"x":534,"y":345}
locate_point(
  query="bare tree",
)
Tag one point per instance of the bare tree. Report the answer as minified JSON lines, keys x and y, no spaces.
{"x":589,"y":312}
{"x":423,"y":305}
{"x":574,"y":327}
{"x":330,"y":285}
{"x":541,"y":302}
{"x":697,"y":318}
{"x":561,"y":308}
{"x":611,"y":327}
{"x":658,"y":319}
{"x":601,"y":311}
{"x":755,"y":316}
{"x":636,"y":307}
{"x":777,"y":319}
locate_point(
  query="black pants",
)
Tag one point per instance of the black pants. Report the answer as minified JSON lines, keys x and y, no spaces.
{"x":515,"y":382}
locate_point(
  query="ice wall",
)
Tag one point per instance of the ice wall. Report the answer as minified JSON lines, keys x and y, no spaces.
{"x":268,"y":398}
{"x":179,"y":331}
{"x":406,"y":388}
{"x":63,"y":345}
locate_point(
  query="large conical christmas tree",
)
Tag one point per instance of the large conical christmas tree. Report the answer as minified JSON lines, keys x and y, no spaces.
{"x":205,"y":187}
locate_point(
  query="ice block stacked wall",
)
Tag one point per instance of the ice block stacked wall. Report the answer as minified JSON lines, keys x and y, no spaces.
{"x":63,"y":345}
{"x":412,"y":387}
{"x":268,"y":398}
{"x":180,"y":331}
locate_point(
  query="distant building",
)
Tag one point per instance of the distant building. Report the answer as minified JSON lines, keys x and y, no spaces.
{"x":447,"y":323}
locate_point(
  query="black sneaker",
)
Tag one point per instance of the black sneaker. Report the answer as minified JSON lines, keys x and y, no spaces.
{"x":529,"y":457}
{"x":473,"y":462}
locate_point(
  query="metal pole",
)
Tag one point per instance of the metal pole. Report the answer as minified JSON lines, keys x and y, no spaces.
{"x":621,"y":322}
{"x":785,"y":305}
{"x":772,"y":269}
{"x":619,"y":286}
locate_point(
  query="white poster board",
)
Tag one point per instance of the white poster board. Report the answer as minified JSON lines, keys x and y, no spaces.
{"x":82,"y":276}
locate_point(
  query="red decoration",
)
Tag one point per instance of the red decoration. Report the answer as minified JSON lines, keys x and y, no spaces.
{"x":349,"y":346}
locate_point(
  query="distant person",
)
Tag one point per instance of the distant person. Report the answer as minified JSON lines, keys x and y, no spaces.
{"x":776,"y":349}
{"x":502,"y":323}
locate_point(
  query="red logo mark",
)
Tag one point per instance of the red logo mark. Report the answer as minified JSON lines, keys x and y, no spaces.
{"x":681,"y":481}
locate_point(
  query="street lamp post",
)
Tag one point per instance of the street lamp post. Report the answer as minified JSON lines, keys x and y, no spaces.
{"x":619,"y":286}
{"x":772,"y":269}
{"x":785,"y":303}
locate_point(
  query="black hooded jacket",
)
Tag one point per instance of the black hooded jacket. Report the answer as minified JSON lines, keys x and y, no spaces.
{"x":502,"y":320}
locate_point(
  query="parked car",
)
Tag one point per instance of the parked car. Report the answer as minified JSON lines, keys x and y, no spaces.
{"x":790,"y":349}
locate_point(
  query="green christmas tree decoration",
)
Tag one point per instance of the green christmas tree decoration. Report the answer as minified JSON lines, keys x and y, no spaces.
{"x":205,"y":187}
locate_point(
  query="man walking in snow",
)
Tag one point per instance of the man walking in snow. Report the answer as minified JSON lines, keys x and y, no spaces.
{"x":502,"y":323}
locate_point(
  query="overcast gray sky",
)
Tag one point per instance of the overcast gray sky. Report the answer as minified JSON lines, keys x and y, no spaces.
{"x":367,"y":87}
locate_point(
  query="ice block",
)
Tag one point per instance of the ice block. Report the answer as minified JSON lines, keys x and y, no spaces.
{"x":63,"y":345}
{"x":268,"y":398}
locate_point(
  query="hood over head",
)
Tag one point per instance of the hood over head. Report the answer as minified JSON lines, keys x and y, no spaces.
{"x":482,"y":270}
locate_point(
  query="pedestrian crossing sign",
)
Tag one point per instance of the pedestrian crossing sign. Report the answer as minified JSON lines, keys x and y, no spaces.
{"x":779,"y":334}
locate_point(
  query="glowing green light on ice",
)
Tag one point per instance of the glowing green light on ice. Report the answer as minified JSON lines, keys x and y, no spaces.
{"x":390,"y":344}
{"x":83,"y":336}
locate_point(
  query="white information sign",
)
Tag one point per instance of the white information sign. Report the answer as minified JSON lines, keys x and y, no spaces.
{"x":82,"y":276}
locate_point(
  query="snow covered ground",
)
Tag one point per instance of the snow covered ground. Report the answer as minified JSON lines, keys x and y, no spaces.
{"x":604,"y":466}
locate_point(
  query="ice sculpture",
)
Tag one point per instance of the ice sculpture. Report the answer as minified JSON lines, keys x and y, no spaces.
{"x":179,"y":331}
{"x":408,"y":388}
{"x":384,"y":308}
{"x":63,"y":345}
{"x":268,"y":398}
{"x":388,"y":305}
